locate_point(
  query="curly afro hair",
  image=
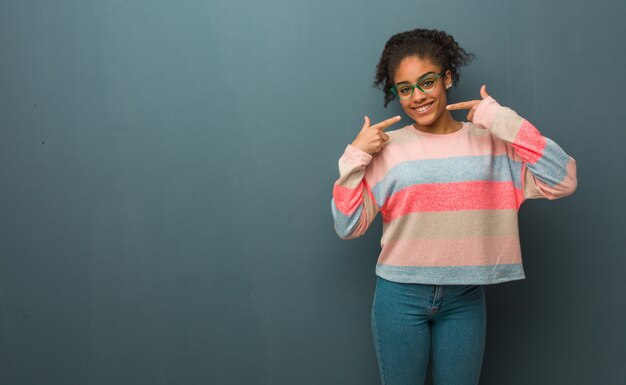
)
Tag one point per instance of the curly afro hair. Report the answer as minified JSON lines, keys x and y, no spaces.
{"x":430,"y":44}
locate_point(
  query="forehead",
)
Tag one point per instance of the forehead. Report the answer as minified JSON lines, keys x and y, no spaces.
{"x":411,"y":68}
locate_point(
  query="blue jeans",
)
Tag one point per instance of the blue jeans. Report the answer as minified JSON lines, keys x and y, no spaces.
{"x":413,"y":324}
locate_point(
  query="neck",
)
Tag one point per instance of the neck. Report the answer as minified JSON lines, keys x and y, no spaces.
{"x":444,"y":125}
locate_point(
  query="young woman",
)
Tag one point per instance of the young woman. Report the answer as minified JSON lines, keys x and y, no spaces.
{"x":448,"y":193}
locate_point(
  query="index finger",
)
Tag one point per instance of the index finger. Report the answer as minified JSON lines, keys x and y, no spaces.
{"x":386,"y":123}
{"x":462,"y":105}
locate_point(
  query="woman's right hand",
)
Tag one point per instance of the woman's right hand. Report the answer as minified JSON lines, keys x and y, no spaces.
{"x":372,"y":139}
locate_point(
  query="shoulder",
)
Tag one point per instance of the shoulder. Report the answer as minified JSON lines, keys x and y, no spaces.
{"x":401,"y":135}
{"x":484,"y":142}
{"x":477,"y":133}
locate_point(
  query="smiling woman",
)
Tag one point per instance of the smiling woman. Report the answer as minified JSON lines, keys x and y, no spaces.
{"x":426,"y":106}
{"x":448,"y":193}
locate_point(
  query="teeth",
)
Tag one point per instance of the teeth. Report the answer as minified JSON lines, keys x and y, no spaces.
{"x":424,"y":108}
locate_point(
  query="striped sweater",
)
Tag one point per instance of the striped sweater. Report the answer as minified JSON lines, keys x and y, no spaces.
{"x":449,"y":203}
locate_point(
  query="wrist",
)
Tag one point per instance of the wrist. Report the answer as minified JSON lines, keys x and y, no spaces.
{"x":360,"y":147}
{"x":358,"y":155}
{"x":485,"y":112}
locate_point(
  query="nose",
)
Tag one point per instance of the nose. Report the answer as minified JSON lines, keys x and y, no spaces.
{"x":418,"y":95}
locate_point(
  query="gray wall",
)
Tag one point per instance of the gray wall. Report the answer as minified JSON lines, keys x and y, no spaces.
{"x":166,"y":173}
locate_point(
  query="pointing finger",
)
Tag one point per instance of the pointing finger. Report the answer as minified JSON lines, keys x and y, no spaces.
{"x":462,"y":105}
{"x":386,"y":123}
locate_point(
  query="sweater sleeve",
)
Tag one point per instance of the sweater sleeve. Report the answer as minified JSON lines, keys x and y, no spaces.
{"x":353,"y":205}
{"x":547,"y":171}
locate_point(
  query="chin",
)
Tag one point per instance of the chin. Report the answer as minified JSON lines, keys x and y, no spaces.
{"x":426,"y":120}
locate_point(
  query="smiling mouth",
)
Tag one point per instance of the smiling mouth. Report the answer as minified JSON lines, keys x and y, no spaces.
{"x":424,"y":108}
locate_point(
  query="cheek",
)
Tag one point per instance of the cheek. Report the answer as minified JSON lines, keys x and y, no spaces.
{"x":443,"y":100}
{"x":443,"y":95}
{"x":406,"y":108}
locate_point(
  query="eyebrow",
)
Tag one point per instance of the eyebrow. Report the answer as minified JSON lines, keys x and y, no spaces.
{"x":418,"y":79}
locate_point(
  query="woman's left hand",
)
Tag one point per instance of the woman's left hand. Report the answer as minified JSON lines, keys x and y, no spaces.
{"x":471,"y":105}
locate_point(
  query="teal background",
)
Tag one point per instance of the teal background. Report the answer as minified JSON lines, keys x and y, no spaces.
{"x":166,"y":170}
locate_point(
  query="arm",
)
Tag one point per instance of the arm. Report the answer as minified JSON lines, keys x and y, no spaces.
{"x":353,"y":206}
{"x":548,"y":172}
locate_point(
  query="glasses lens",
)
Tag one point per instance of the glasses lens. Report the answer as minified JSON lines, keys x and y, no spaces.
{"x":404,"y":90}
{"x":428,"y":83}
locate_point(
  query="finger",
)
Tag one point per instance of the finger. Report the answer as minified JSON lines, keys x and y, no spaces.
{"x":483,"y":92}
{"x":386,"y":123}
{"x":462,"y":105}
{"x":382,"y":144}
{"x":385,"y":137}
{"x":366,"y":122}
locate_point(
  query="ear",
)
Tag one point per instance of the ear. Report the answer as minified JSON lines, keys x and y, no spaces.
{"x":447,"y":80}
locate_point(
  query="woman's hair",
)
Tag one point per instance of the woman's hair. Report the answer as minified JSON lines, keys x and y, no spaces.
{"x":433,"y":45}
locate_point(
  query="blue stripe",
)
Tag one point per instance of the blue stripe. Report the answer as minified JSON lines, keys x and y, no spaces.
{"x":451,"y":275}
{"x":448,"y":170}
{"x":551,"y":168}
{"x":345,"y":224}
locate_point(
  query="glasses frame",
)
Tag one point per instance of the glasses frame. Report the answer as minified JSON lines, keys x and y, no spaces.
{"x":394,"y":89}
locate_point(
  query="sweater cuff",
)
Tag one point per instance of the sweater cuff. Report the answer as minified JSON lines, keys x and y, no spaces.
{"x":356,"y":156}
{"x":486,"y":112}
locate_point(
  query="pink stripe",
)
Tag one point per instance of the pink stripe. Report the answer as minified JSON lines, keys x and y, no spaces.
{"x":451,"y":252}
{"x":486,"y":112}
{"x":347,"y":199}
{"x":519,"y":196}
{"x":479,"y":195}
{"x":529,"y":143}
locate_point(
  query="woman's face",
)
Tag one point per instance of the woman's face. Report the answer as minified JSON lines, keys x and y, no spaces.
{"x":425,"y":108}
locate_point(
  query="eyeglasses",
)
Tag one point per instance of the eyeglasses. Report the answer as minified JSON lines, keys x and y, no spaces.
{"x":425,"y":84}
